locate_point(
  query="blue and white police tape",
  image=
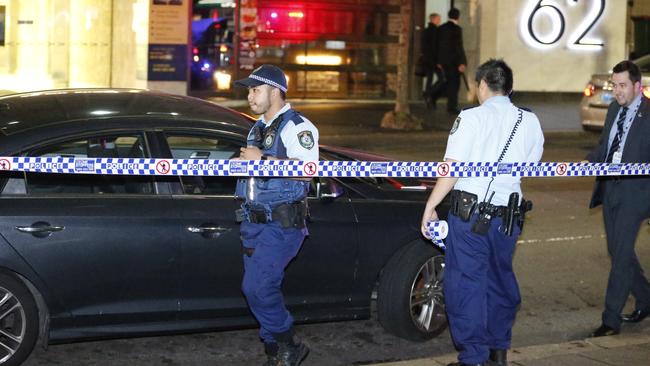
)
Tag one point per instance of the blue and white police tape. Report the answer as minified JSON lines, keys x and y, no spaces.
{"x":295,"y":168}
{"x":438,"y":230}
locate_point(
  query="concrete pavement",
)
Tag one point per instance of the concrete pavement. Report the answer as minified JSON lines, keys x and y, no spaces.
{"x":626,"y":349}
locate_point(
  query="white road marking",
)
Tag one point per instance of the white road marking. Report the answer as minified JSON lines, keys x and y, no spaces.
{"x":564,"y":238}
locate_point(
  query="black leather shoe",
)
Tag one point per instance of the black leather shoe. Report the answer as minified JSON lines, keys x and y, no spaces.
{"x":499,"y":357}
{"x":292,"y":355}
{"x":467,"y":364}
{"x":636,"y":316}
{"x":604,"y":330}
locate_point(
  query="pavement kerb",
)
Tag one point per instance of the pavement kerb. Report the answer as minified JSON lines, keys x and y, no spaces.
{"x":529,"y":353}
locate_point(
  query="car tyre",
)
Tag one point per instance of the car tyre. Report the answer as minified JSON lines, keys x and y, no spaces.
{"x":410,"y":302}
{"x":18,"y":321}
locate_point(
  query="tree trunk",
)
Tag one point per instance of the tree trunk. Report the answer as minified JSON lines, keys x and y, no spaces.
{"x":401,"y":103}
{"x":400,"y":118}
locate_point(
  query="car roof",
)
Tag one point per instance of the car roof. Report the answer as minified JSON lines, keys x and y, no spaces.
{"x":44,"y":109}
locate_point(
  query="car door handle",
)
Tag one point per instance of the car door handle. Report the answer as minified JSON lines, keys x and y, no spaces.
{"x":39,"y":229}
{"x":207,"y":229}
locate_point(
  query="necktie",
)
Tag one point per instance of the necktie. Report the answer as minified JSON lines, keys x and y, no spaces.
{"x":619,"y":134}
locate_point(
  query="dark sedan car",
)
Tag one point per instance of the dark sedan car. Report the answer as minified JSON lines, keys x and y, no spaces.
{"x":92,"y":256}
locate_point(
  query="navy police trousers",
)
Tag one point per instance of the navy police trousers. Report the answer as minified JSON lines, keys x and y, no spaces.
{"x":481,"y":291}
{"x":263,"y":273}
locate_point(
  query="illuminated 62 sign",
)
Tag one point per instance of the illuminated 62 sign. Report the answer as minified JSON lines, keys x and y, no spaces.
{"x":536,"y":10}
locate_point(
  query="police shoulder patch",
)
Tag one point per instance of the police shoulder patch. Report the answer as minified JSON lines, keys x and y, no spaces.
{"x":455,"y":126}
{"x":306,"y":139}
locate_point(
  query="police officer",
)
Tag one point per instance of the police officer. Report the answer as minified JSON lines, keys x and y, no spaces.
{"x":481,"y":291}
{"x":274,"y":210}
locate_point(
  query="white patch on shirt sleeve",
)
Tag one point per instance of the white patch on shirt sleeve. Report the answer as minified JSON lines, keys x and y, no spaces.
{"x":295,"y":139}
{"x":459,"y":143}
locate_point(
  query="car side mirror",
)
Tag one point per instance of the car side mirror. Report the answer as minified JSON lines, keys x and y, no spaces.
{"x":328,"y":189}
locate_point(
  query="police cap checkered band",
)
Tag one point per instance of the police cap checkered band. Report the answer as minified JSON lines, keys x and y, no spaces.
{"x":265,"y":74}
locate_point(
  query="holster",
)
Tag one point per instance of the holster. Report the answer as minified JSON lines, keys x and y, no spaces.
{"x":463,"y":204}
{"x":524,"y":207}
{"x":288,"y":215}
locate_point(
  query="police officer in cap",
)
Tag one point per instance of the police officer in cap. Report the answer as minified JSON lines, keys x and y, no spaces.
{"x":481,"y":291}
{"x":274,"y":210}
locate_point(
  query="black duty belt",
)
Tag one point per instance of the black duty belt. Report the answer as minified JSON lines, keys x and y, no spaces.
{"x":289,"y":215}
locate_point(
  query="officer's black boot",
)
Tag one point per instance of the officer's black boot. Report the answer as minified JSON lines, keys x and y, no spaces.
{"x":499,"y":357}
{"x":271,"y":350}
{"x":290,"y":352}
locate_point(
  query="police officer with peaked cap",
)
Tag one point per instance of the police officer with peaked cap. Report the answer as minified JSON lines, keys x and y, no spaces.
{"x":481,"y":291}
{"x":274,"y":210}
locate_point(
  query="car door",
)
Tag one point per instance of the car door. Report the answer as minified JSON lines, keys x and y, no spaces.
{"x":106,"y":246}
{"x":321,"y":276}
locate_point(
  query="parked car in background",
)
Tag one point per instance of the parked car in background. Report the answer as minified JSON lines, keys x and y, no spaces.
{"x":597,"y":96}
{"x":94,"y":256}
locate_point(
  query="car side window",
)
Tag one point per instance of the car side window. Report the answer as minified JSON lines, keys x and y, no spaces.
{"x":105,"y":146}
{"x":204,"y":147}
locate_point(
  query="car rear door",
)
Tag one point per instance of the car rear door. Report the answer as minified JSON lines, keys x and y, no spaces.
{"x":106,"y":246}
{"x":321,"y":276}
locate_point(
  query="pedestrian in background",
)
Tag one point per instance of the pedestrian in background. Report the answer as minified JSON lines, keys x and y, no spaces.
{"x":451,"y":57}
{"x":481,"y":291}
{"x":274,"y":211}
{"x":625,"y":200}
{"x":429,"y":49}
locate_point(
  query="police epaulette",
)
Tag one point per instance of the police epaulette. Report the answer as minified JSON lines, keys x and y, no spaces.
{"x":468,"y":108}
{"x":525,"y":109}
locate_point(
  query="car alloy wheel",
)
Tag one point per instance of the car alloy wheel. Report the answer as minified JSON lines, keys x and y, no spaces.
{"x":18,"y":321}
{"x":12,"y":324}
{"x":427,"y":301}
{"x":410,"y":300}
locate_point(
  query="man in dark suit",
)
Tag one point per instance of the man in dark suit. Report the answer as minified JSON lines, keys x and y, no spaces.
{"x":451,"y":57}
{"x":429,"y":51}
{"x":625,"y":200}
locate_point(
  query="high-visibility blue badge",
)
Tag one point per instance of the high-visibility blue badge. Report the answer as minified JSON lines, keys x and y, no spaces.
{"x":238,"y":167}
{"x":378,"y":168}
{"x":504,"y":168}
{"x":84,"y":165}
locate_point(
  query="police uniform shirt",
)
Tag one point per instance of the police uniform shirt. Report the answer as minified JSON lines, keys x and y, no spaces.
{"x":299,"y":138}
{"x":479,"y":134}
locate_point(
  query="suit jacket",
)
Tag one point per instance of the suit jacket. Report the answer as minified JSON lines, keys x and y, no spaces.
{"x":450,"y":45}
{"x":430,"y":46}
{"x":636,"y":189}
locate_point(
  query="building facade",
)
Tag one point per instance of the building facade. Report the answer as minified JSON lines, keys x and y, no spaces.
{"x":329,"y":48}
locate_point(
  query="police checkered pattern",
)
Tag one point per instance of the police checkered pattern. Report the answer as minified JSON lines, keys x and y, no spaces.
{"x":295,"y":168}
{"x":438,"y":231}
{"x":268,"y":81}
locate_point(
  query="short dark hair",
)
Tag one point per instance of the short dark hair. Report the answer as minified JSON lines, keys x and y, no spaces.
{"x":631,"y":68}
{"x":497,"y":75}
{"x":453,"y":14}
